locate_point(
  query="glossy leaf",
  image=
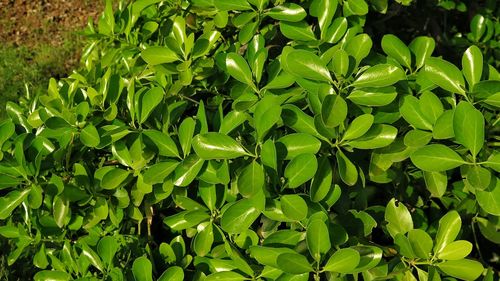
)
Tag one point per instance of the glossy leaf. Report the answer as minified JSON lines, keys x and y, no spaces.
{"x":343,"y":261}
{"x":305,"y":64}
{"x":395,"y":48}
{"x":436,"y":158}
{"x":445,"y":75}
{"x":301,"y":169}
{"x":472,"y":65}
{"x":468,"y":125}
{"x":217,"y":146}
{"x":463,"y":269}
{"x":379,"y":76}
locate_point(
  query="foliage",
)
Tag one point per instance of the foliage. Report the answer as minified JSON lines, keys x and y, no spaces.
{"x":254,"y":140}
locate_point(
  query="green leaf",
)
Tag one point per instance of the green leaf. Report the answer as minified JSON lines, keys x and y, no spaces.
{"x":203,"y":241}
{"x":359,"y":47}
{"x":468,"y":125}
{"x":421,"y":243}
{"x":356,"y":7}
{"x":472,"y":65}
{"x":358,"y":127}
{"x":430,"y":106}
{"x":251,"y":179}
{"x":187,"y":171}
{"x":395,"y":48}
{"x":298,"y":143}
{"x":301,"y":169}
{"x":370,"y":256}
{"x":53,"y":275}
{"x":10,"y":201}
{"x":173,"y":273}
{"x":229,"y":5}
{"x":463,"y":269}
{"x":299,"y":31}
{"x":238,"y":67}
{"x":333,"y":110}
{"x":322,"y":181}
{"x":456,"y":250}
{"x":417,"y":138}
{"x":449,"y":226}
{"x":148,"y":102}
{"x":347,"y":170}
{"x":268,"y":255}
{"x":305,"y":64}
{"x":445,"y":74}
{"x":89,"y":136}
{"x":379,"y":135}
{"x":379,"y":75}
{"x":422,"y":47}
{"x":336,"y":30}
{"x":343,"y":261}
{"x":373,"y":96}
{"x":239,"y":216}
{"x":298,"y":120}
{"x":410,"y":109}
{"x":232,"y":120}
{"x":294,"y":207}
{"x":166,"y":146}
{"x":60,"y":210}
{"x":436,"y":183}
{"x":186,"y":132}
{"x":157,"y":55}
{"x":443,"y":129}
{"x":398,"y":218}
{"x":317,"y":238}
{"x":142,"y":269}
{"x":436,"y":158}
{"x":114,"y":178}
{"x":490,"y":200}
{"x":225,"y":276}
{"x":293,"y":263}
{"x":287,"y":12}
{"x":267,"y":113}
{"x":217,"y":146}
{"x":324,"y":10}
{"x":107,"y":249}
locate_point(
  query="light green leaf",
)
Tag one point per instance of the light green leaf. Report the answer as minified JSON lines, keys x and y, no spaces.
{"x":10,"y":201}
{"x":463,"y":269}
{"x":251,"y":179}
{"x":267,"y":113}
{"x":409,"y":107}
{"x":379,"y":75}
{"x":287,"y":12}
{"x":293,"y":263}
{"x":333,"y":110}
{"x":187,"y":171}
{"x":472,"y":65}
{"x":358,"y":127}
{"x":421,"y":243}
{"x":359,"y":47}
{"x":445,"y":74}
{"x":398,"y":218}
{"x":52,"y":275}
{"x":158,"y":54}
{"x":142,"y":269}
{"x":107,"y":249}
{"x":468,"y":125}
{"x":305,"y":64}
{"x":299,"y":31}
{"x":343,"y":261}
{"x":373,"y":96}
{"x":322,"y":181}
{"x":456,"y":250}
{"x":301,"y":169}
{"x":238,"y":67}
{"x":114,"y":178}
{"x":436,"y":183}
{"x":173,"y":273}
{"x":229,"y":5}
{"x":379,"y":135}
{"x":225,"y":276}
{"x":148,"y":102}
{"x":347,"y":170}
{"x":294,"y":207}
{"x":422,"y":47}
{"x":203,"y":241}
{"x":490,"y":200}
{"x":449,"y":226}
{"x":239,"y":216}
{"x":60,"y":211}
{"x":295,"y":144}
{"x":186,"y":132}
{"x":336,"y":30}
{"x":89,"y":136}
{"x":217,"y":146}
{"x":317,"y":238}
{"x":166,"y":146}
{"x":436,"y":158}
{"x":395,"y":48}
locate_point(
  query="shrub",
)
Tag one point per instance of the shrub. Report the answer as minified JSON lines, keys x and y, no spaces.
{"x":254,"y":140}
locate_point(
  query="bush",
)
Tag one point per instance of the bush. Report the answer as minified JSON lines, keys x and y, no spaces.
{"x":256,"y":140}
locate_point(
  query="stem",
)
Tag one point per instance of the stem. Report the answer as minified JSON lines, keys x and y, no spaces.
{"x":475,"y":238}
